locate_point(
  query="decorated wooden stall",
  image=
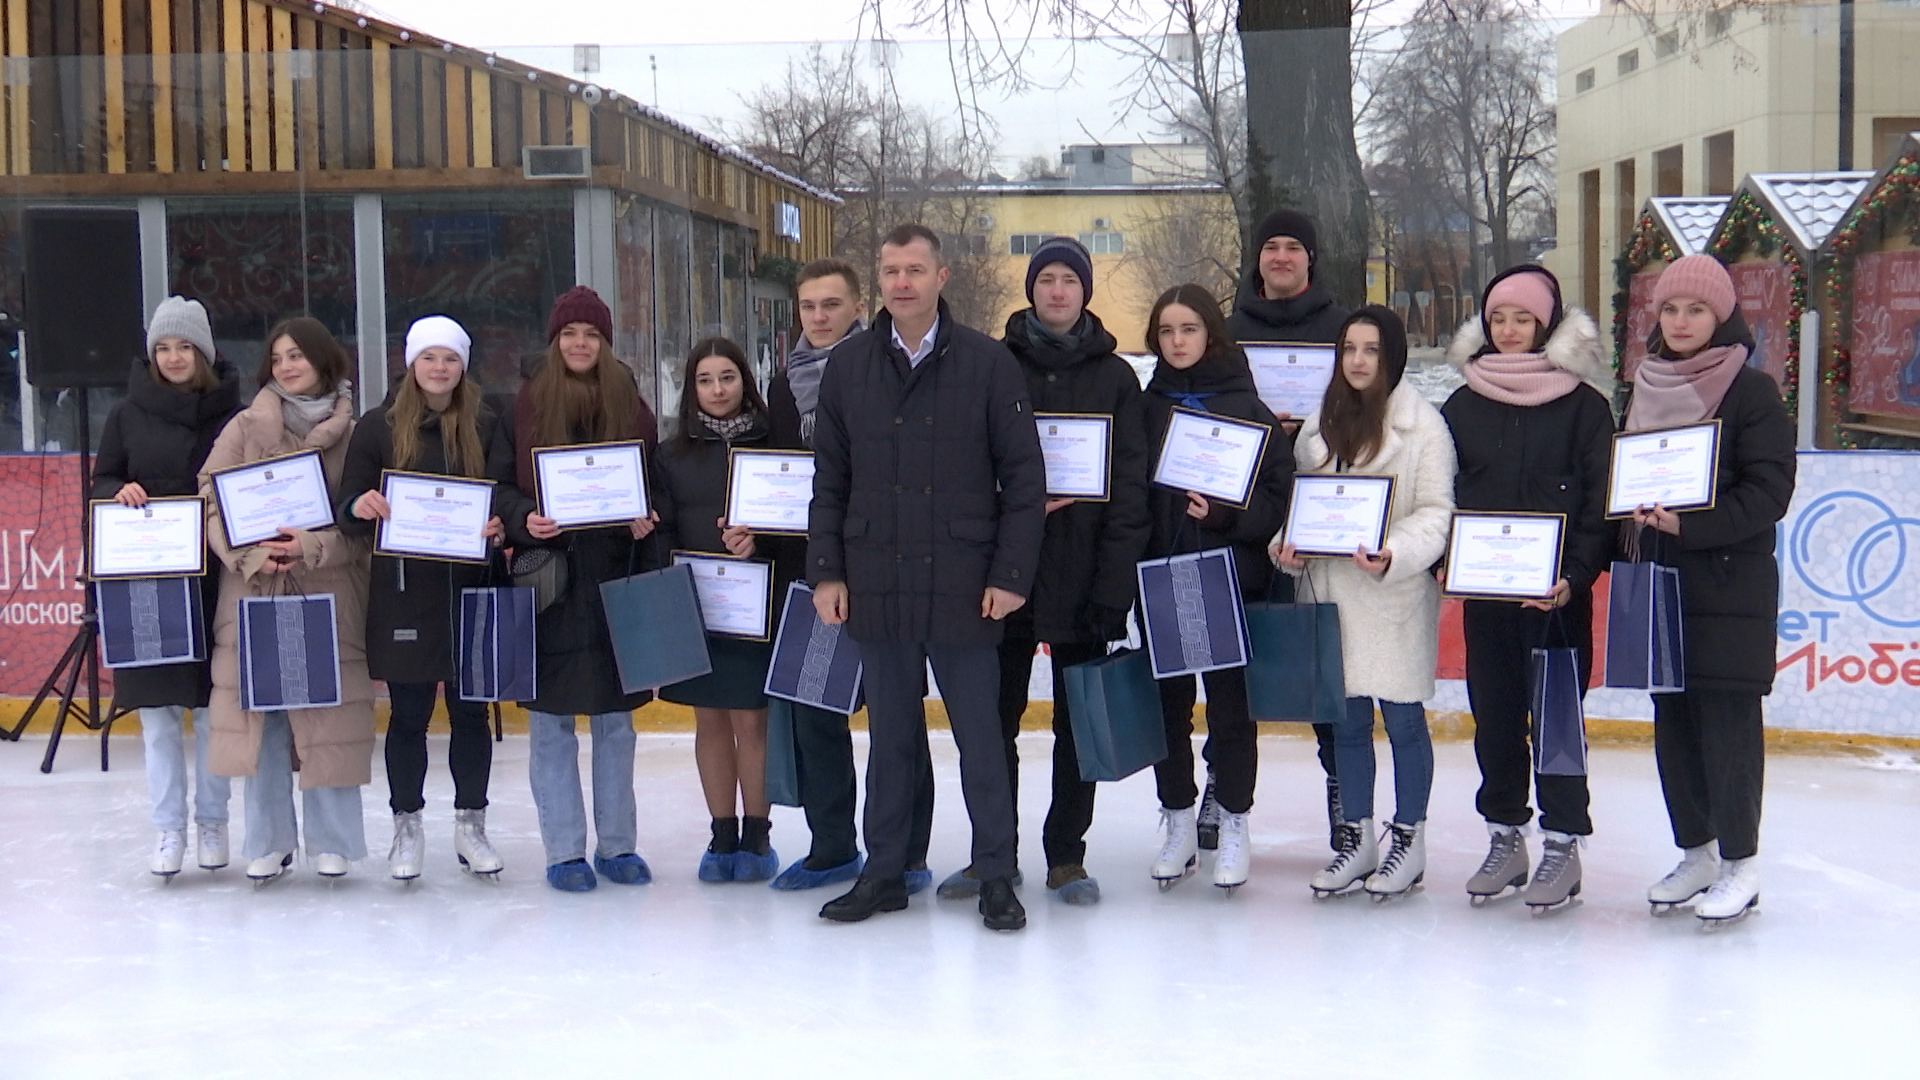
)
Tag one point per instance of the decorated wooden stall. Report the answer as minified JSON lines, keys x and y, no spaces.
{"x":1668,"y":228}
{"x":1871,"y":364}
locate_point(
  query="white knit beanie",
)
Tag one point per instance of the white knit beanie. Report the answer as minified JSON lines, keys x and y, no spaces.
{"x":179,"y":317}
{"x":437,"y":330}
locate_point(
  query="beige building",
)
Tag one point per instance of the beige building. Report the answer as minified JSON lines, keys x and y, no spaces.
{"x":1690,"y":105}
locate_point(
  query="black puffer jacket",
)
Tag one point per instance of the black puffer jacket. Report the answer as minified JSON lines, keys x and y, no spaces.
{"x":158,"y":437}
{"x":690,"y":495}
{"x":1551,"y":458}
{"x":1088,"y":553}
{"x":413,"y":604}
{"x":1310,"y":318}
{"x":928,"y":484}
{"x":1220,"y":383}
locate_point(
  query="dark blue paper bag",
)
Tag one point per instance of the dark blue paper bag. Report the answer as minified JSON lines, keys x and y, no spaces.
{"x":783,"y":758}
{"x":289,"y":653}
{"x":1646,"y":649}
{"x":1190,"y":611}
{"x":498,"y":661}
{"x":1113,"y":705}
{"x":654,"y":621}
{"x":813,"y":663}
{"x":1559,"y":715}
{"x":147,"y":622}
{"x":1295,"y":670}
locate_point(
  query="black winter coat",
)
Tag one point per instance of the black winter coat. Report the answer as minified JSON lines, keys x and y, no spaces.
{"x":413,"y":605}
{"x":576,"y":669}
{"x":928,"y":484}
{"x":1310,"y":318}
{"x":1088,"y":552}
{"x":158,"y":437}
{"x":690,"y":494}
{"x":1729,"y":579}
{"x":1225,"y":376}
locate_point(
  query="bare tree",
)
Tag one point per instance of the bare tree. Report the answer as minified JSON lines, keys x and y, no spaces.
{"x":1186,"y":237}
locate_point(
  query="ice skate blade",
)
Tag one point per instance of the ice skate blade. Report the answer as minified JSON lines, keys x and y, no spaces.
{"x":1352,"y":888}
{"x":1383,"y":897}
{"x":1709,"y":925}
{"x":1187,"y":871}
{"x":1230,"y":889}
{"x":165,"y":875}
{"x":1541,"y":911}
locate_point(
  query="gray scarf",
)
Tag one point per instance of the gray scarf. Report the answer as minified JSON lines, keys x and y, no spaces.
{"x":732,"y":427}
{"x":806,"y":366}
{"x":301,"y":413}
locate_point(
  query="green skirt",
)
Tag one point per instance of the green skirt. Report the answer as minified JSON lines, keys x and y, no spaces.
{"x":736,"y":681}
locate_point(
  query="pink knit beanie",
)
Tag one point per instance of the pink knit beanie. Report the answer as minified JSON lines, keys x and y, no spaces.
{"x":1698,"y":277}
{"x":1530,"y":292}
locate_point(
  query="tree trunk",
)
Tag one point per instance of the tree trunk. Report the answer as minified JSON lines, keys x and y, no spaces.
{"x":1300,"y":144}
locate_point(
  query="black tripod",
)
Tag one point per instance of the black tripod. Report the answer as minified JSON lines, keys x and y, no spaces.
{"x":82,"y":658}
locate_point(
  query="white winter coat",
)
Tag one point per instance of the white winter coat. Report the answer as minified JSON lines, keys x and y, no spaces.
{"x":1390,"y":626}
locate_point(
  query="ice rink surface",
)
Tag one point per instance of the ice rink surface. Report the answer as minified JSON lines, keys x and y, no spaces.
{"x":106,"y":970}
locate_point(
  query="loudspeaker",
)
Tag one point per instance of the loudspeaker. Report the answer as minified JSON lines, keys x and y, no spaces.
{"x":85,"y":317}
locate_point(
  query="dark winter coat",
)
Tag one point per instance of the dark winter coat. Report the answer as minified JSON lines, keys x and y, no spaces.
{"x":1550,"y":458}
{"x":1312,"y":318}
{"x":690,"y":494}
{"x":1225,"y":377}
{"x":1729,"y":580}
{"x":928,"y":484}
{"x":1088,"y":552}
{"x":576,"y":670}
{"x":413,"y":604}
{"x":158,"y":437}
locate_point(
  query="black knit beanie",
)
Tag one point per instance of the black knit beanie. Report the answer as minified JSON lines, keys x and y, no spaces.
{"x":1289,"y":223}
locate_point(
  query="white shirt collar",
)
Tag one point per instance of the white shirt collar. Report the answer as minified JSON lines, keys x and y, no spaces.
{"x":914,"y":356}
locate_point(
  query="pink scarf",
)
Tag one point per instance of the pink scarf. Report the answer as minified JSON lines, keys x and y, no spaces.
{"x":1668,"y":392}
{"x":1519,"y":378}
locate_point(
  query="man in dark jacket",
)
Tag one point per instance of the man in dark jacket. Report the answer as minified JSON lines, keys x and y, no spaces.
{"x":928,"y":507}
{"x":1087,"y":555}
{"x":1280,"y":302}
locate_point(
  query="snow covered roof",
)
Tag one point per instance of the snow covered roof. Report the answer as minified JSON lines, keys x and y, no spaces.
{"x":1809,"y":206}
{"x":1689,"y":219}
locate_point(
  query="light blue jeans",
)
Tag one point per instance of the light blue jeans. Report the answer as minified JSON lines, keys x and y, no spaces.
{"x":162,"y":730}
{"x":553,"y":770}
{"x":334,"y":822}
{"x":1412,"y":759}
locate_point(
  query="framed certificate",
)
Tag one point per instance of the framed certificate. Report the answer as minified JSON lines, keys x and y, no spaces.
{"x":1078,"y":448}
{"x":1333,"y":515}
{"x":1213,"y":455}
{"x":1674,"y":467}
{"x":165,"y":538}
{"x":434,"y":517}
{"x":735,"y":594}
{"x":1290,"y":378}
{"x":591,"y":484}
{"x":1503,"y":556}
{"x":260,"y":498}
{"x":769,"y":491}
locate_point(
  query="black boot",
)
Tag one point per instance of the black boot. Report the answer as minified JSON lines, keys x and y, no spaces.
{"x":999,"y":908}
{"x":868,"y":897}
{"x":1334,"y":817}
{"x":756,"y":835}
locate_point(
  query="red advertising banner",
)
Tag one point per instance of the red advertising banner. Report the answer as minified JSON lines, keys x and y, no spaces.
{"x":1641,"y":319}
{"x":41,"y":598}
{"x":1765,"y":290}
{"x":1885,"y":337}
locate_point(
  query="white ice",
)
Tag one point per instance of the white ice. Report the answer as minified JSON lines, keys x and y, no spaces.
{"x":106,"y":970}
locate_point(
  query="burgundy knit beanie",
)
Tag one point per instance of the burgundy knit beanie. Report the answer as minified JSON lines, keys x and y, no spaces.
{"x":1698,"y":277}
{"x":580,"y":304}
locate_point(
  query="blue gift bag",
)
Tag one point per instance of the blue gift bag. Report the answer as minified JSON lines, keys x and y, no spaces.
{"x":496,"y":642}
{"x":1559,"y":714}
{"x":1113,"y":705}
{"x":654,"y":622}
{"x":1295,"y":670}
{"x":1646,"y":649}
{"x":148,"y":622}
{"x":783,"y":759}
{"x":289,"y":653}
{"x":813,"y":663}
{"x":1190,"y":611}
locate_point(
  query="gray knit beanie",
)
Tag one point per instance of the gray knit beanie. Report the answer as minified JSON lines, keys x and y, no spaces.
{"x":179,"y":317}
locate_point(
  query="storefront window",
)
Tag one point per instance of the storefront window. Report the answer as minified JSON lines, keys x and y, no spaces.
{"x":674,"y":237}
{"x":705,"y":279}
{"x":633,"y":331}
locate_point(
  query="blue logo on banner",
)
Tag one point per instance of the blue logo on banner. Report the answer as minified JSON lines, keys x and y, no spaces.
{"x":1863,"y":542}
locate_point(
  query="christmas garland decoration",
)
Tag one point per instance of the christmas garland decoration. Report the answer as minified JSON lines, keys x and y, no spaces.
{"x":1649,"y":244}
{"x":1894,"y":202}
{"x":1748,"y":227}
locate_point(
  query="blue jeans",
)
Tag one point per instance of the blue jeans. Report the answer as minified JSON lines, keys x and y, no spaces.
{"x":553,"y":770}
{"x":334,"y":822}
{"x":160,"y":729}
{"x":1412,"y":759}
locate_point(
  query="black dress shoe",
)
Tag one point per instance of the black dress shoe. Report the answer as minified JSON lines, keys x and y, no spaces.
{"x":868,"y":897}
{"x":999,"y":908}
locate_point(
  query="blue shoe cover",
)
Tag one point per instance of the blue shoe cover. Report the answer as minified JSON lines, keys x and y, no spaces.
{"x":797,"y":876}
{"x":750,"y":867}
{"x":1084,"y":892}
{"x":918,"y":881}
{"x":716,"y":867}
{"x":628,"y":869}
{"x":574,"y":875}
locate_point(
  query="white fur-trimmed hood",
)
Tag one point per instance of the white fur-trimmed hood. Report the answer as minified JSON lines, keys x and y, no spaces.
{"x":1575,"y":347}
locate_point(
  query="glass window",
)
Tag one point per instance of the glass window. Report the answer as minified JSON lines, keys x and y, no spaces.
{"x":1104,"y":243}
{"x":1025,"y":243}
{"x":633,"y":327}
{"x":736,"y":260}
{"x":1628,"y":62}
{"x":673,"y":238}
{"x":1583,"y":82}
{"x":704,"y":279}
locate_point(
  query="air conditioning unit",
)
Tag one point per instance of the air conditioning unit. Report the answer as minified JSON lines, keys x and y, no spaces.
{"x":1101,"y":224}
{"x":556,"y":163}
{"x":983,"y":222}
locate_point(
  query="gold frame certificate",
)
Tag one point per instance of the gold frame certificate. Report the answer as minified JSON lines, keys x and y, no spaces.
{"x":434,"y":517}
{"x":1504,"y":556}
{"x":259,"y":499}
{"x":770,"y":491}
{"x":1215,"y":456}
{"x":165,"y":538}
{"x":736,"y":595}
{"x":1078,"y":448}
{"x":592,"y":484}
{"x":1332,"y":515}
{"x":1291,"y":378}
{"x":1673,"y":468}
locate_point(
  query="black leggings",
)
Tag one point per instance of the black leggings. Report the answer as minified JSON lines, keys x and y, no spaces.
{"x":470,"y":754}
